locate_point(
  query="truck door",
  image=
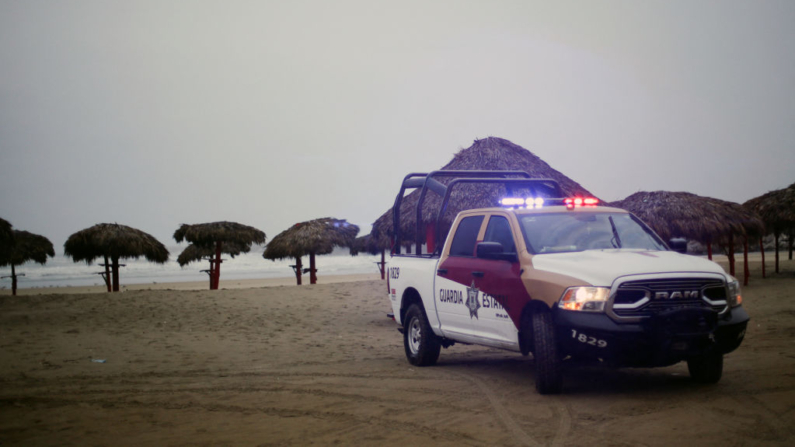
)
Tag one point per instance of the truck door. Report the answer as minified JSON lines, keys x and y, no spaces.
{"x":488,"y":288}
{"x":499,"y":287}
{"x":454,"y":278}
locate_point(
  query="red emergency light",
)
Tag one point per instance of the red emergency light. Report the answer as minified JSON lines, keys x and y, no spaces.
{"x":571,"y":202}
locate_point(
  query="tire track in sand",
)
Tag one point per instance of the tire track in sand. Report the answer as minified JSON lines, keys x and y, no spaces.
{"x":499,"y":410}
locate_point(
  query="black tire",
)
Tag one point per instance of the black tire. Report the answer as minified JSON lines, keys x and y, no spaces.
{"x":707,"y":368}
{"x":421,"y":344}
{"x":549,"y":379}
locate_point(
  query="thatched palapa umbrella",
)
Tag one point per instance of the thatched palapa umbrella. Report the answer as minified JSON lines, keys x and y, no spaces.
{"x":6,"y":233}
{"x":194,"y":252}
{"x":214,"y":236}
{"x":114,"y":242}
{"x":487,"y":154}
{"x":315,"y":237}
{"x":703,"y":219}
{"x":777,"y":211}
{"x":373,"y":245}
{"x":24,"y":247}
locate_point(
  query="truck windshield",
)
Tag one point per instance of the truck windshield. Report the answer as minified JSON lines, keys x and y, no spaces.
{"x":579,"y":231}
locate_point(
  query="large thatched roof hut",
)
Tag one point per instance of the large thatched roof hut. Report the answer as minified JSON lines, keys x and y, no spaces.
{"x":487,"y":154}
{"x":24,"y":247}
{"x":314,"y":237}
{"x":686,"y":215}
{"x":114,"y":242}
{"x":213,"y":237}
{"x":683,"y":214}
{"x":777,"y":211}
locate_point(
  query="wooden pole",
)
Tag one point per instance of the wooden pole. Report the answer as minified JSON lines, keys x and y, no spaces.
{"x":13,"y":280}
{"x":746,"y":271}
{"x":211,"y":272}
{"x":731,"y":256}
{"x":709,"y":250}
{"x":312,"y":269}
{"x":115,"y":273}
{"x":298,"y":271}
{"x":430,"y":238}
{"x":762,"y":250}
{"x":777,"y":235}
{"x":217,"y":275}
{"x":107,"y":274}
{"x":791,"y":233}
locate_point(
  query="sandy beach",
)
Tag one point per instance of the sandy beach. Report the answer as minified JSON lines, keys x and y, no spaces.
{"x":268,"y":363}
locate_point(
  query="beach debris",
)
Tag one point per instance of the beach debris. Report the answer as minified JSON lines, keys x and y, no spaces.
{"x":99,"y":360}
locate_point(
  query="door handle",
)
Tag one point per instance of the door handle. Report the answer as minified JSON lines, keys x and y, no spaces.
{"x":478,"y":274}
{"x":441,"y":271}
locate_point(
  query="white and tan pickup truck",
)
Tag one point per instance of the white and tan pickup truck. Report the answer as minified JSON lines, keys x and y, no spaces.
{"x":559,"y":278}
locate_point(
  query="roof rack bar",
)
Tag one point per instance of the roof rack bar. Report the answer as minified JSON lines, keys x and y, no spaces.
{"x":555,"y":194}
{"x":427,"y":181}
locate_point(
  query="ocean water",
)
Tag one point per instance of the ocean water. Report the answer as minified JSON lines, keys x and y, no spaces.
{"x":61,"y":271}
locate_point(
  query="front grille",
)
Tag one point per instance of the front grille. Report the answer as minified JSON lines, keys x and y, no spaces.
{"x":644,"y":298}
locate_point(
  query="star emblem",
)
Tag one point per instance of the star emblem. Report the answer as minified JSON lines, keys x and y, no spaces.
{"x":472,"y":300}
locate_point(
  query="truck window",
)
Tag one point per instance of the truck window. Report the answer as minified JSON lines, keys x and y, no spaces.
{"x":466,"y":236}
{"x":499,"y":230}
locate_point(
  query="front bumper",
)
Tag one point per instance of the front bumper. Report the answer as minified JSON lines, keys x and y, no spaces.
{"x":661,"y":340}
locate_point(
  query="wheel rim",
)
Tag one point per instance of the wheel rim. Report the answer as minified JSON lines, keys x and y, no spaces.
{"x":414,"y":336}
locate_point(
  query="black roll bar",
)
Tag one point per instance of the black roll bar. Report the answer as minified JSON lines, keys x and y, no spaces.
{"x":427,"y":181}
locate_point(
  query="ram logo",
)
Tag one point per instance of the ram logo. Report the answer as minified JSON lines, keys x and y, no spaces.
{"x":677,"y":295}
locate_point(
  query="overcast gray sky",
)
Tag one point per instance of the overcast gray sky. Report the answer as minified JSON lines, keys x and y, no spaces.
{"x":157,"y":113}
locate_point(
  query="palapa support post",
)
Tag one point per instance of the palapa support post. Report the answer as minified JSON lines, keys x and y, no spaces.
{"x":298,"y":270}
{"x":762,"y":250}
{"x":731,"y":256}
{"x":776,"y":235}
{"x":115,"y":273}
{"x":430,"y":238}
{"x":312,"y":269}
{"x":106,"y":277}
{"x":746,"y":271}
{"x":13,"y":280}
{"x":791,"y":233}
{"x":709,"y":250}
{"x":217,"y":271}
{"x":211,"y":272}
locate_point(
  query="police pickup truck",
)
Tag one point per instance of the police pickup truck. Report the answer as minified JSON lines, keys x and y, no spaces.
{"x":559,"y":278}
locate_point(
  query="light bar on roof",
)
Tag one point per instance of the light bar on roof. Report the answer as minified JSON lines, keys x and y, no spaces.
{"x":530,"y":202}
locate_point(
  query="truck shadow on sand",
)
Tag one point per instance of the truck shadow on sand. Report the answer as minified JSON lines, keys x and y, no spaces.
{"x":580,"y":378}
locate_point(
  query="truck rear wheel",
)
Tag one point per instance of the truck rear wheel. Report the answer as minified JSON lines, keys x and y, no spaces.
{"x":545,"y":354}
{"x":422,"y":345}
{"x":706,"y":368}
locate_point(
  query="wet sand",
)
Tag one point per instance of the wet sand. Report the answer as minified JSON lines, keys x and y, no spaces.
{"x":322,"y":364}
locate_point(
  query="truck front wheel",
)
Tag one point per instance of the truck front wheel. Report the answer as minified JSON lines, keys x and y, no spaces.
{"x":422,"y":345}
{"x":545,"y":354}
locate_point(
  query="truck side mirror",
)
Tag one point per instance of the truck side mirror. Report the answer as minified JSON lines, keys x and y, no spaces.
{"x":678,"y":244}
{"x":495,"y":251}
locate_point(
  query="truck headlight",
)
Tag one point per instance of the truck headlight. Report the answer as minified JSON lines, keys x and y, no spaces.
{"x":586,"y":299}
{"x":735,"y":298}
